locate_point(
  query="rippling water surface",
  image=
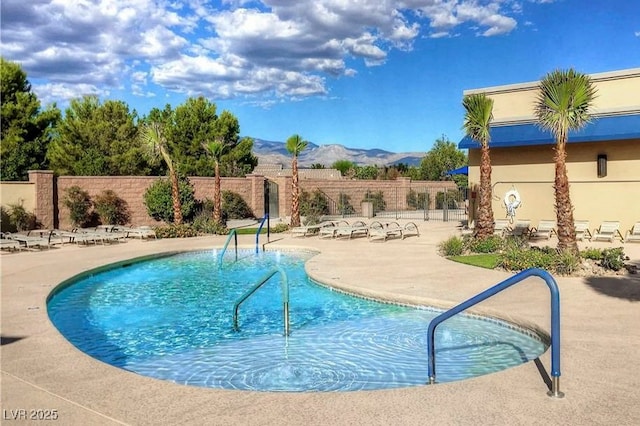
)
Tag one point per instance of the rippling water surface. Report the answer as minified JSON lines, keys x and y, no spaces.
{"x":171,"y":318}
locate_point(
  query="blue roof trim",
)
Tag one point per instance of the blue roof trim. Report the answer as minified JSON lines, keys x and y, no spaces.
{"x":614,"y":128}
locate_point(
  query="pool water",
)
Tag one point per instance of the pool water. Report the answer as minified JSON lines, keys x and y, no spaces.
{"x":171,"y":318}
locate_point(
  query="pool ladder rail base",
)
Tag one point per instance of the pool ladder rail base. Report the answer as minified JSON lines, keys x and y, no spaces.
{"x":554,"y":392}
{"x":285,"y":297}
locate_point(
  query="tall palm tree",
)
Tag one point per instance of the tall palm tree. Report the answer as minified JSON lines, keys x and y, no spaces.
{"x":225,"y":137}
{"x":217,"y":149}
{"x":564,"y":101}
{"x":295,"y":145}
{"x":155,"y":140}
{"x":478,"y":115}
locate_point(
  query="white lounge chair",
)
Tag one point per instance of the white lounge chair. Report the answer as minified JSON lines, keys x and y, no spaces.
{"x":582,"y":230}
{"x":29,"y":241}
{"x":633,"y":235}
{"x":7,"y":243}
{"x":358,"y":228}
{"x":307,"y":230}
{"x":383,"y":231}
{"x":608,"y":231}
{"x":545,"y":229}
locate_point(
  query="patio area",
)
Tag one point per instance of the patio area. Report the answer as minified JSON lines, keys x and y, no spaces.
{"x":600,"y":337}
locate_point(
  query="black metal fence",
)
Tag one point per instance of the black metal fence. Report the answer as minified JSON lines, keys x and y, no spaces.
{"x":415,"y":202}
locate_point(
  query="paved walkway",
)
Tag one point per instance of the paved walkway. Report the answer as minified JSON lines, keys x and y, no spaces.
{"x":600,"y":346}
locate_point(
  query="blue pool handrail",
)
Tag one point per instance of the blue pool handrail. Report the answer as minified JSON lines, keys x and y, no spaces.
{"x":284,"y":282}
{"x":234,"y":234}
{"x":555,"y":322}
{"x":264,"y":219}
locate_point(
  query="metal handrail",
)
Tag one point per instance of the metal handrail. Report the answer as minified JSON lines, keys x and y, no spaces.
{"x":264,"y":219}
{"x":226,"y":244}
{"x":285,"y":297}
{"x":555,"y":322}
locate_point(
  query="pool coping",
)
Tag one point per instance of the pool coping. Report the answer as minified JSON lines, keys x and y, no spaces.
{"x":40,"y":370}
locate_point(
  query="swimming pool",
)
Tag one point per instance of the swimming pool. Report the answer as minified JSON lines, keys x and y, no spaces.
{"x":171,"y":318}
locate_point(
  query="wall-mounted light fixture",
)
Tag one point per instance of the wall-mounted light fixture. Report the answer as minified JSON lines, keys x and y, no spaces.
{"x":602,"y":165}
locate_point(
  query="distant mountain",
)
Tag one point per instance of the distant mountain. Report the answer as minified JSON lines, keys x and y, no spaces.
{"x":270,"y":152}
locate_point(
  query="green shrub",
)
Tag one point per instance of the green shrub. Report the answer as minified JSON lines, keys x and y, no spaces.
{"x":377,"y":198}
{"x":203,"y":223}
{"x":591,"y":253}
{"x":344,"y":205}
{"x":313,"y":206}
{"x":21,"y":219}
{"x":453,"y":246}
{"x":111,"y":209}
{"x":157,"y":199}
{"x":514,"y":242}
{"x":6,"y":224}
{"x":235,"y":207}
{"x":491,"y":244}
{"x":279,"y":228}
{"x":78,"y":202}
{"x":613,"y":258}
{"x":515,"y":259}
{"x":566,"y":262}
{"x":176,"y":231}
{"x":417,"y":200}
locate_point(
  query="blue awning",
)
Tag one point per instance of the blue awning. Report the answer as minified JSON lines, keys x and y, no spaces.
{"x":620,"y":127}
{"x":464,"y":170}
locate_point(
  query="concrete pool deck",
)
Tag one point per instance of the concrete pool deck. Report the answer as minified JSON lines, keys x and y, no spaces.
{"x":600,"y":345}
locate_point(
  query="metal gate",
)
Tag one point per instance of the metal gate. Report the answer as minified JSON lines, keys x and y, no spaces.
{"x":271,"y":199}
{"x":426,"y":203}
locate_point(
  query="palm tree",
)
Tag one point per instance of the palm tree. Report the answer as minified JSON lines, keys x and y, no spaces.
{"x":295,"y":145}
{"x":226,"y":129}
{"x":478,"y":116}
{"x":564,"y":101}
{"x":155,"y":140}
{"x":217,"y":149}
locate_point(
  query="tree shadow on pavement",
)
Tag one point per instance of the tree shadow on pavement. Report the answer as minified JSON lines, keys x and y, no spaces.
{"x":622,"y":287}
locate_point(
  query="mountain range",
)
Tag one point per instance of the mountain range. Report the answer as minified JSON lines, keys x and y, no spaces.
{"x":270,"y":152}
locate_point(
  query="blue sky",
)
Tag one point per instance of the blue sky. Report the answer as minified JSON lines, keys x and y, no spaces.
{"x":362,"y":73}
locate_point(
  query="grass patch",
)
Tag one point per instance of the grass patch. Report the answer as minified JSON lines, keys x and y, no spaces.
{"x":488,"y":261}
{"x":252,"y":231}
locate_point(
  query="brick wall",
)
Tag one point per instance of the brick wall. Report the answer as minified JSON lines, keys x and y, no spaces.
{"x":50,"y":192}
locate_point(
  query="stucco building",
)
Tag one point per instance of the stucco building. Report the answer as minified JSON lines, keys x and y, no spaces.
{"x":603,"y":160}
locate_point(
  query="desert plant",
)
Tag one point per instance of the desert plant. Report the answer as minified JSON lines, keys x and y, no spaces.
{"x":453,"y":246}
{"x":377,"y":198}
{"x":567,"y":262}
{"x":21,"y":219}
{"x":235,"y":207}
{"x":313,"y":205}
{"x":6,"y":225}
{"x":173,"y":230}
{"x":78,"y":202}
{"x":417,"y":200}
{"x":591,"y":253}
{"x":159,"y":200}
{"x":279,"y":228}
{"x":344,"y":205}
{"x":111,"y":209}
{"x":613,"y":258}
{"x":490,"y":244}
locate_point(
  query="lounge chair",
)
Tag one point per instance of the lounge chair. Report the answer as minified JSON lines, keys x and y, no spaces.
{"x":307,"y":230}
{"x":28,"y":241}
{"x":357,"y":229}
{"x":633,"y":235}
{"x":520,"y":229}
{"x":410,"y":229}
{"x":501,"y":227}
{"x":141,"y":232}
{"x":383,"y":231}
{"x":545,"y":229}
{"x":329,"y":231}
{"x":7,"y":243}
{"x":608,"y":231}
{"x":582,"y":230}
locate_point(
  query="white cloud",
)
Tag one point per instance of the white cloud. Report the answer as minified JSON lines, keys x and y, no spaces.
{"x":232,"y":48}
{"x":637,"y":33}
